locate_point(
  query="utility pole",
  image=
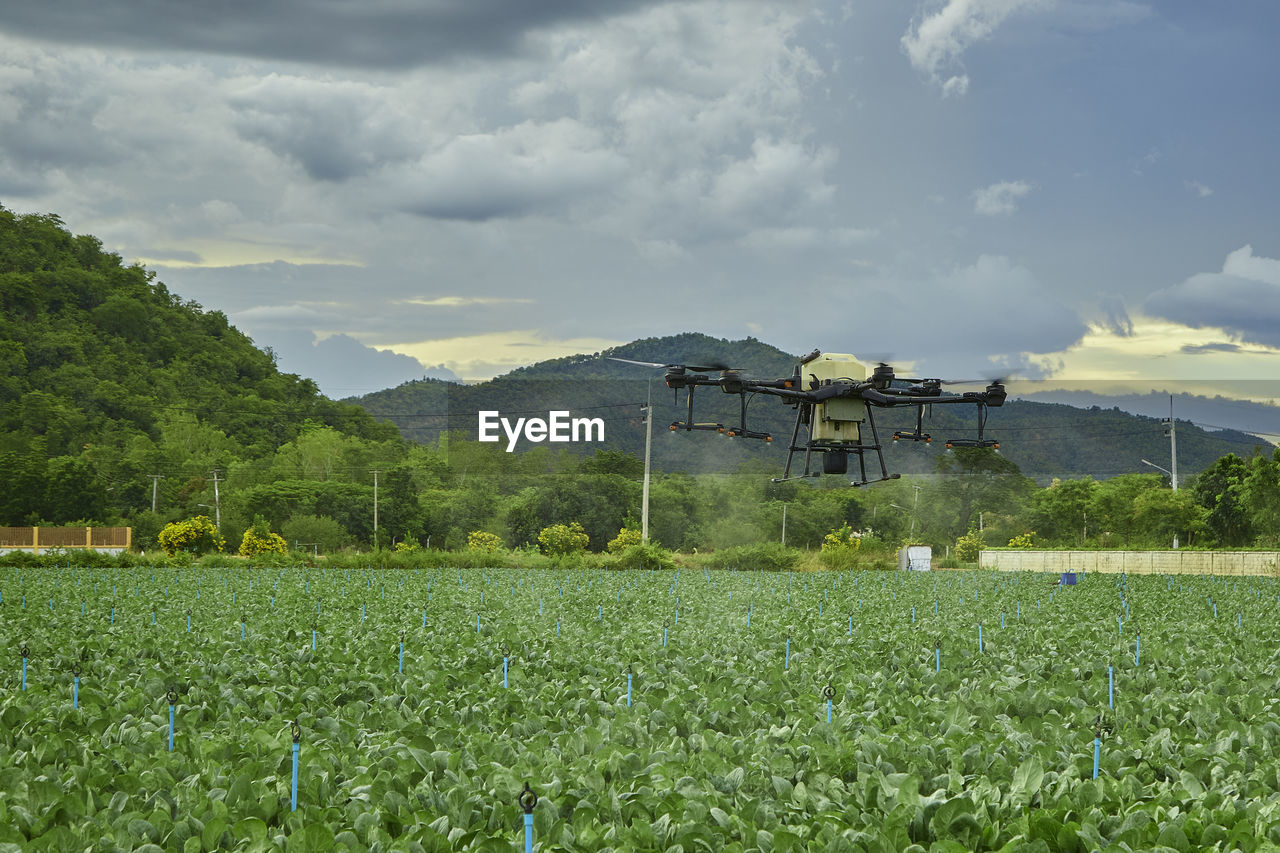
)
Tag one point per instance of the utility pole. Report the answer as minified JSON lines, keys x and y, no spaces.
{"x":915,"y":506}
{"x":1173,"y":446}
{"x":648,"y":442}
{"x":155,"y":481}
{"x":376,"y":472}
{"x":217,"y":503}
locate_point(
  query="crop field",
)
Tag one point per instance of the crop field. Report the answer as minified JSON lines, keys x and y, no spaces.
{"x":647,"y":711}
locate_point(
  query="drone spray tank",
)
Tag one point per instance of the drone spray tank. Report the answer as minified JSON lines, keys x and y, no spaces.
{"x":838,"y":420}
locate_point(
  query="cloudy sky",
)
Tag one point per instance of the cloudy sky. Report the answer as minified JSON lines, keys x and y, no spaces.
{"x":1077,"y":188}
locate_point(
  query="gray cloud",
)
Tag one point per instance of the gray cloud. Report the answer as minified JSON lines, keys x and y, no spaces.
{"x":370,"y":33}
{"x":977,"y":319}
{"x":1204,"y":349}
{"x":1116,"y":316}
{"x":1243,"y":299}
{"x":341,"y":365}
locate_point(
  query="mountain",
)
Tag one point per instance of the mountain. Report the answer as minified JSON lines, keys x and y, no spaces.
{"x":1046,"y":440}
{"x":107,"y":378}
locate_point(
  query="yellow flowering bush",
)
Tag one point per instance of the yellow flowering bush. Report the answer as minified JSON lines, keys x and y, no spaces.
{"x":483,"y":541}
{"x":259,"y":540}
{"x":626,"y":538}
{"x":561,"y":540}
{"x":196,"y":535}
{"x":1023,"y":540}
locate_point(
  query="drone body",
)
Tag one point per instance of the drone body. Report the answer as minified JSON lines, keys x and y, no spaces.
{"x":835,"y":401}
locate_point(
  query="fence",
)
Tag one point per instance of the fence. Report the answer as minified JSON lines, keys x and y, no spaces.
{"x":35,"y":539}
{"x":1136,"y":562}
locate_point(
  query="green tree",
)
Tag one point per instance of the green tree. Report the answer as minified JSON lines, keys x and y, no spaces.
{"x":1162,"y":514}
{"x":1060,"y":512}
{"x":1220,"y":490}
{"x":1260,"y":495}
{"x":975,"y":480}
{"x":318,"y":531}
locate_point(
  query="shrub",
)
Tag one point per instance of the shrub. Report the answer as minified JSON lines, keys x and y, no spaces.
{"x":562,"y":540}
{"x":259,"y":540}
{"x":968,"y":547}
{"x":767,"y":557}
{"x":637,"y":556}
{"x":484,"y":541}
{"x":193,"y":536}
{"x":840,"y":548}
{"x":627,"y":537}
{"x":1023,"y":540}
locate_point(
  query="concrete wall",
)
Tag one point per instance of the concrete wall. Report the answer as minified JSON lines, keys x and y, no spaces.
{"x":1136,"y":562}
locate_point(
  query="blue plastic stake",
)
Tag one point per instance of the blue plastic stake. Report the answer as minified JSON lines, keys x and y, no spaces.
{"x":528,"y":832}
{"x":1097,"y":752}
{"x":850,"y":625}
{"x":979,"y":637}
{"x":297,"y":737}
{"x":828,"y":710}
{"x":75,"y":693}
{"x":24,"y":672}
{"x":188,"y":623}
{"x":313,"y":639}
{"x":787,"y":664}
{"x":629,"y":689}
{"x":913,"y":614}
{"x":173,"y":698}
{"x":478,"y":624}
{"x":937,"y":659}
{"x":505,"y":659}
{"x":402,"y":656}
{"x":1137,"y":650}
{"x":558,"y":628}
{"x":1111,"y":687}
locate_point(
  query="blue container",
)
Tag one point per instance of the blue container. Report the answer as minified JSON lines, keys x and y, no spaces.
{"x":1068,"y":579}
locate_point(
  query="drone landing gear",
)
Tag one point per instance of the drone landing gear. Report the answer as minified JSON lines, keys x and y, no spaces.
{"x":979,"y":441}
{"x":835,"y":454}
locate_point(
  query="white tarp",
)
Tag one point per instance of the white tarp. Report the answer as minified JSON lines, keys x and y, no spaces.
{"x":915,"y":558}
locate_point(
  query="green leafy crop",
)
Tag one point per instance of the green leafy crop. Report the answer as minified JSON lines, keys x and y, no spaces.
{"x":933,"y":744}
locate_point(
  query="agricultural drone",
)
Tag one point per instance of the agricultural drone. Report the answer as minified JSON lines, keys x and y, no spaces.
{"x":835,"y":400}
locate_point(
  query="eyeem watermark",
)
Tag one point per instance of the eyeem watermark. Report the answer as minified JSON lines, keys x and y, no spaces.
{"x":558,"y":427}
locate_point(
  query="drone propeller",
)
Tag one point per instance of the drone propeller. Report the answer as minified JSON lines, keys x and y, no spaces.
{"x":697,"y":368}
{"x":653,"y":364}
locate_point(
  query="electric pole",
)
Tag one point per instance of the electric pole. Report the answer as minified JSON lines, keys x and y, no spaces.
{"x":217,"y":503}
{"x":376,"y":472}
{"x":915,"y":507}
{"x":155,"y":481}
{"x":644,"y":497}
{"x":1173,"y":445}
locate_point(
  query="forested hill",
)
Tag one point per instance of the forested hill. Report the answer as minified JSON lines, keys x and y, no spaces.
{"x":1046,"y":440}
{"x":107,"y":378}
